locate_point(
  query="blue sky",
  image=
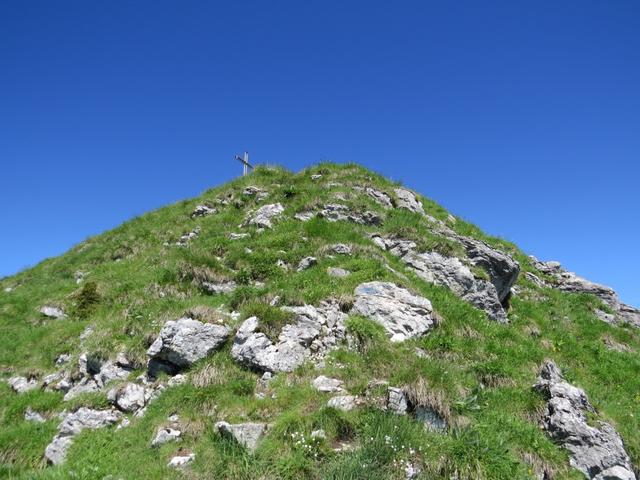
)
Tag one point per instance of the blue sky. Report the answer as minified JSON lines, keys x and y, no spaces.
{"x":522,"y":117}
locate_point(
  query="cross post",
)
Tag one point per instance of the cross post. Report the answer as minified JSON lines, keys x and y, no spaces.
{"x":245,"y":163}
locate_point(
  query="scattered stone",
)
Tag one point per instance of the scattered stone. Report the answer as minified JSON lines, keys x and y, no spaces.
{"x":187,"y":237}
{"x":338,"y":272}
{"x":341,"y":249}
{"x":183,"y":342}
{"x":307,"y":262}
{"x":304,"y":216}
{"x":265,"y":214}
{"x":597,"y":452}
{"x":317,"y":176}
{"x":219,"y":288}
{"x":248,"y":435}
{"x":72,"y":425}
{"x":22,"y":384}
{"x":180,"y":461}
{"x":238,"y":236}
{"x":130,"y":397}
{"x":343,"y":402}
{"x":202,"y":211}
{"x":52,"y":312}
{"x":380,"y":197}
{"x":408,"y":200}
{"x":335,"y":212}
{"x":251,"y":190}
{"x":31,"y":416}
{"x":166,"y":435}
{"x":326,"y":384}
{"x":402,"y":314}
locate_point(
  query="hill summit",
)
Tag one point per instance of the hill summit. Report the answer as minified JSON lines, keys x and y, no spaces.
{"x":326,"y":324}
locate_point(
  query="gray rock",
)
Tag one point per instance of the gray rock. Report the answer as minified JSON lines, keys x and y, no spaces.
{"x":251,"y":190}
{"x":341,"y":249}
{"x":183,"y":342}
{"x":318,"y":434}
{"x":166,"y":435}
{"x":397,"y":401}
{"x":248,"y":435}
{"x":304,"y":216}
{"x":326,"y":384}
{"x":317,"y":176}
{"x":73,"y":424}
{"x":130,"y":397}
{"x":180,"y":461}
{"x":218,"y":288}
{"x":402,"y":314}
{"x":380,"y":197}
{"x":338,"y":272}
{"x":597,"y":452}
{"x":238,"y":236}
{"x":85,"y":385}
{"x":22,"y":384}
{"x":306,"y":263}
{"x":31,"y":416}
{"x":343,"y":402}
{"x":62,"y":359}
{"x":264,"y":215}
{"x":408,"y":200}
{"x":202,"y":211}
{"x":52,"y":312}
{"x":336,"y":212}
{"x":187,"y":237}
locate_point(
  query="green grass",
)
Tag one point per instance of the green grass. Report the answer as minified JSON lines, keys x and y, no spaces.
{"x":479,"y":371}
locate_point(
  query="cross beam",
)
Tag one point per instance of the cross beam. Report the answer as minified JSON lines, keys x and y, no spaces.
{"x":245,"y":163}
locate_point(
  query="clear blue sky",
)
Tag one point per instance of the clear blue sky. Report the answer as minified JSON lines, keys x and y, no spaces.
{"x":522,"y":117}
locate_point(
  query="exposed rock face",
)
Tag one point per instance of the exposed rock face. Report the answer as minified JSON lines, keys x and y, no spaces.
{"x":166,"y":435}
{"x":326,"y":384}
{"x":335,"y":212}
{"x":248,"y":435}
{"x":597,"y":452}
{"x":402,"y":314}
{"x":72,"y":425}
{"x":380,"y":197}
{"x":202,"y":211}
{"x":52,"y":312}
{"x":94,"y":375}
{"x":264,"y":215}
{"x":183,"y":342}
{"x":22,"y":384}
{"x":570,"y":282}
{"x":315,"y":331}
{"x":408,"y":200}
{"x":450,"y":272}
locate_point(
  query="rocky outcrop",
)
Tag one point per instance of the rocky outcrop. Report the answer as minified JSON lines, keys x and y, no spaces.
{"x":380,"y":197}
{"x":72,"y":425}
{"x":202,"y":211}
{"x":248,"y":435}
{"x":264,"y":216}
{"x":450,"y":272}
{"x":597,"y":452}
{"x":407,"y":199}
{"x":52,"y":312}
{"x":130,"y":397}
{"x":314,"y":331}
{"x":94,"y":374}
{"x":183,"y":342}
{"x":402,"y":314}
{"x":334,"y":212}
{"x":22,"y":384}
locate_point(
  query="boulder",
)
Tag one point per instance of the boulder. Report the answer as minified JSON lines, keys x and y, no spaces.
{"x":326,"y":384}
{"x":180,"y":461}
{"x":248,"y":435}
{"x":52,"y":312}
{"x":304,"y":216}
{"x":397,"y":401}
{"x":263,"y":217}
{"x":343,"y":402}
{"x":183,"y":342}
{"x":73,"y":424}
{"x":338,"y":272}
{"x":130,"y":397}
{"x":380,"y":197}
{"x":598,"y":452}
{"x":22,"y":384}
{"x":307,"y":262}
{"x":402,"y":314}
{"x":202,"y":211}
{"x":341,"y":249}
{"x":166,"y":435}
{"x":31,"y":416}
{"x":407,"y":199}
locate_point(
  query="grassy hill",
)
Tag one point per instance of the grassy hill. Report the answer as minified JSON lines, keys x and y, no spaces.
{"x":119,"y":288}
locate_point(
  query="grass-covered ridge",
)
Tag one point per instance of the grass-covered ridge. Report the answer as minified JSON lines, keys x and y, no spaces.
{"x":479,"y":372}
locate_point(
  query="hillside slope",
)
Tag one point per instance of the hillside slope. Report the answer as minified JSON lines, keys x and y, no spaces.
{"x":325,"y":324}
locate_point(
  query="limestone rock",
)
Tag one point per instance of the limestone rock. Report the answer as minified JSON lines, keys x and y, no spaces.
{"x":307,"y":262}
{"x":166,"y":435}
{"x":343,"y":402}
{"x":187,"y":237}
{"x":338,"y":272}
{"x":130,"y":397}
{"x":22,"y":384}
{"x":408,"y":200}
{"x":336,"y":212}
{"x":341,"y":249}
{"x":264,"y":215}
{"x":218,"y":288}
{"x":326,"y":384}
{"x":397,"y":401}
{"x":202,"y":211}
{"x":248,"y":435}
{"x":304,"y":216}
{"x":180,"y":461}
{"x":183,"y":342}
{"x":597,"y":452}
{"x":380,"y":197}
{"x":52,"y":312}
{"x":402,"y":314}
{"x":238,"y":236}
{"x":72,"y":425}
{"x":31,"y":416}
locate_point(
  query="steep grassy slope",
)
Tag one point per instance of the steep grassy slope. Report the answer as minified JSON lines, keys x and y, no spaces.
{"x":480,"y":372}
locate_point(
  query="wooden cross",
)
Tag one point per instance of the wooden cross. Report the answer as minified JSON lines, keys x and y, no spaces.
{"x":245,"y":163}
